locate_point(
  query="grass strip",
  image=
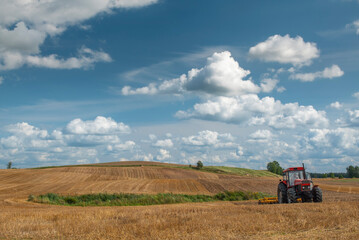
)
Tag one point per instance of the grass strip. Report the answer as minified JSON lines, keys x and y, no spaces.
{"x":129,"y":199}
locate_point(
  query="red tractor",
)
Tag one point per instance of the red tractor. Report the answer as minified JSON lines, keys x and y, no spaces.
{"x":297,"y":184}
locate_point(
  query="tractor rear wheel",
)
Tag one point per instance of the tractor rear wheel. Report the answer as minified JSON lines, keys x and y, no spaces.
{"x":317,"y":194}
{"x":282,"y":193}
{"x":292,"y":195}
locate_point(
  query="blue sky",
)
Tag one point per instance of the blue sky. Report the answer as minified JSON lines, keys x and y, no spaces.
{"x":236,"y":83}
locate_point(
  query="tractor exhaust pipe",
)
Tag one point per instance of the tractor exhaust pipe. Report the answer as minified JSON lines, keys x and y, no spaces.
{"x":305,"y":175}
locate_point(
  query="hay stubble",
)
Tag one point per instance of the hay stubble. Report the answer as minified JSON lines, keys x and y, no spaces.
{"x":337,"y":217}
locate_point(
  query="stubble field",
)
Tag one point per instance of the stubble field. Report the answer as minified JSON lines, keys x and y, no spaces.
{"x":336,"y":218}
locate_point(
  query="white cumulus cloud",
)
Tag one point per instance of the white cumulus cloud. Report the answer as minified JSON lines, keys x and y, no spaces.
{"x":166,"y":143}
{"x":336,"y":105}
{"x":88,"y":140}
{"x":100,"y":125}
{"x":222,"y":76}
{"x":80,"y":140}
{"x":210,"y":138}
{"x":268,"y":84}
{"x":335,"y":141}
{"x":329,"y":72}
{"x":250,"y":109}
{"x":26,"y":130}
{"x":25,"y":136}
{"x":353,"y":118}
{"x":127,"y":146}
{"x":144,"y":157}
{"x":21,"y":39}
{"x":131,"y":3}
{"x":354,"y":26}
{"x":35,"y":21}
{"x":53,"y":14}
{"x":163,"y":155}
{"x":284,"y":49}
{"x":261,"y":135}
{"x":322,"y":148}
{"x":22,"y":46}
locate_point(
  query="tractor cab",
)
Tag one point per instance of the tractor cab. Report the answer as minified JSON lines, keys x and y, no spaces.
{"x":295,"y":176}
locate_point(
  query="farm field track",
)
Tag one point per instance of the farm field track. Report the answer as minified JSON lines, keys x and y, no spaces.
{"x":335,"y":218}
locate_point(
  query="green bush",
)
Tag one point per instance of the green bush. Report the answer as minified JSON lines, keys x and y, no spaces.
{"x":238,"y":196}
{"x":70,"y":200}
{"x":124,"y":199}
{"x":52,"y":197}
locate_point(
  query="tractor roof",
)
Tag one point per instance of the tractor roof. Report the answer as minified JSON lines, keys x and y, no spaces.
{"x":294,"y":169}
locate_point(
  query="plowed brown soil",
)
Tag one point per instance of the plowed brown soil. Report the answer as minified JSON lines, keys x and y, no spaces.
{"x":151,"y":179}
{"x":335,"y":218}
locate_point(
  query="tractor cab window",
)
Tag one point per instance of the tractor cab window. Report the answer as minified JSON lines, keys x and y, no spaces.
{"x":285,"y":176}
{"x":308,"y":176}
{"x":293,"y":175}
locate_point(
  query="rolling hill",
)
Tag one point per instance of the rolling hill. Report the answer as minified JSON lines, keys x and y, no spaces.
{"x":133,"y":177}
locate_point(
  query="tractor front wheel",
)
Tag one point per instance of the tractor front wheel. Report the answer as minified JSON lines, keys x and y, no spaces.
{"x":282,"y":193}
{"x":292,"y":195}
{"x":317,"y":194}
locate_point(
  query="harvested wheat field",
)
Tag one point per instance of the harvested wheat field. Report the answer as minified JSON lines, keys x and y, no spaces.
{"x":336,"y":218}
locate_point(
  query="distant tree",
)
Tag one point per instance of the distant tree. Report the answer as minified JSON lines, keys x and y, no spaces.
{"x":332,"y":175}
{"x":9,"y":165}
{"x":325,"y":175}
{"x":353,"y":172}
{"x":274,"y":167}
{"x":341,"y":176}
{"x":199,"y":165}
{"x":350,"y":171}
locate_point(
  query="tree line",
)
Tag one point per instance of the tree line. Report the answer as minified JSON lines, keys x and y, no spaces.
{"x":329,"y":175}
{"x":352,"y":171}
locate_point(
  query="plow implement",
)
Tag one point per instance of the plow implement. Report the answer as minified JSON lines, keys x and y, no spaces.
{"x":272,"y":200}
{"x":268,"y":200}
